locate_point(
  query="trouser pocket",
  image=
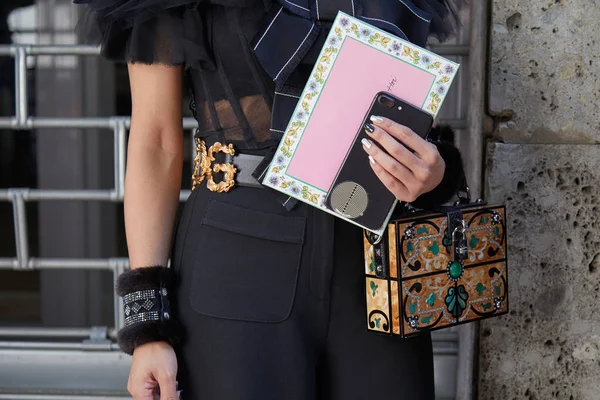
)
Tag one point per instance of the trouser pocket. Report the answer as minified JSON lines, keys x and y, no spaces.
{"x":246,"y":264}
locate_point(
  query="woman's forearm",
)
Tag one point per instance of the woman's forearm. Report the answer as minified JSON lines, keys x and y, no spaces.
{"x":152,"y":185}
{"x":154,"y":162}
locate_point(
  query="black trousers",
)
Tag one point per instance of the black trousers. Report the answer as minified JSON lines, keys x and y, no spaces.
{"x":273,"y":307}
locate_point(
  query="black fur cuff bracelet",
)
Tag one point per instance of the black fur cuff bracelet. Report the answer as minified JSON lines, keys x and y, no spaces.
{"x":146,"y":307}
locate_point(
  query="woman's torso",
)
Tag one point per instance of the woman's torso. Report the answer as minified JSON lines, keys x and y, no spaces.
{"x":233,"y":96}
{"x":238,"y":96}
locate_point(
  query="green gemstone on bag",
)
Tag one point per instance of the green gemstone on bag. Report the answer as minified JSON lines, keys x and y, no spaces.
{"x":474,"y":241}
{"x":455,"y":269}
{"x":456,"y":300}
{"x":423,"y":230}
{"x":374,"y":288}
{"x":435,"y":248}
{"x":430,"y":299}
{"x":480,"y":288}
{"x":447,"y":241}
{"x":426,"y":320}
{"x":409,"y":248}
{"x":498,"y":289}
{"x":412,"y":307}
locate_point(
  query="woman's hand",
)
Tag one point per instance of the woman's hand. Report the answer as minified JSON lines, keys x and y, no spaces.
{"x":406,"y":174}
{"x":154,"y":366}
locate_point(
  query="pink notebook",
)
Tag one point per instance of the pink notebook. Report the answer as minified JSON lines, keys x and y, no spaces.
{"x":357,"y":61}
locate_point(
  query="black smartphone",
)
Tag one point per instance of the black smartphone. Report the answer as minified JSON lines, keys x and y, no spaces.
{"x":357,"y":193}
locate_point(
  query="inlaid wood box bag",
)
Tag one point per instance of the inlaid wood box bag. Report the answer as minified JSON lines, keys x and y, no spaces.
{"x":433,"y":270}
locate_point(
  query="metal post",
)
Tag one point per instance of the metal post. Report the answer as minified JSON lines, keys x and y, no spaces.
{"x":20,"y":222}
{"x":61,"y":333}
{"x":119,"y":164}
{"x":472,"y":141}
{"x":21,"y":86}
{"x":14,"y":345}
{"x":472,"y":145}
{"x":58,"y":397}
{"x":119,"y":266}
{"x":121,"y":159}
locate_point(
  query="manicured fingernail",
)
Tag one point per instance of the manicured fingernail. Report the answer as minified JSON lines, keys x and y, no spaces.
{"x":372,"y":160}
{"x":365,"y":142}
{"x":369,"y":128}
{"x":376,"y":119}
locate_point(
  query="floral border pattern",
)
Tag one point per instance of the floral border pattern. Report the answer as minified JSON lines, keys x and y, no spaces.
{"x":348,"y":26}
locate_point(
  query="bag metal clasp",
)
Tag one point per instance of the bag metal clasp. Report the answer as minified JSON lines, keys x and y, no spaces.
{"x":459,"y":243}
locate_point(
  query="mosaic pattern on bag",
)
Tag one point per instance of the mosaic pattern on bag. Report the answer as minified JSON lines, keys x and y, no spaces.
{"x":433,"y":291}
{"x":378,"y":304}
{"x":426,"y":244}
{"x":437,"y":300}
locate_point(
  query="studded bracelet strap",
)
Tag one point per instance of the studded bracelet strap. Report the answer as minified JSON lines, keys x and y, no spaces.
{"x":146,"y":305}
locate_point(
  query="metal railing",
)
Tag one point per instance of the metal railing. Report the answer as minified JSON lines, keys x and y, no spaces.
{"x":57,"y":397}
{"x":119,"y":126}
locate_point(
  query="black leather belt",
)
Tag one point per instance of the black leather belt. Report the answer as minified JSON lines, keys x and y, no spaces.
{"x":250,"y":170}
{"x":245,"y":165}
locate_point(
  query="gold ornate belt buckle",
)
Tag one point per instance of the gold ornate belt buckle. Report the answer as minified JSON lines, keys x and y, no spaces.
{"x":203,"y":167}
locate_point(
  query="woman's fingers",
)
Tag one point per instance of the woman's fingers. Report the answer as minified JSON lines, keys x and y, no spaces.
{"x":399,"y":187}
{"x":387,"y":162}
{"x":405,"y":135}
{"x":168,"y":387}
{"x":404,"y":173}
{"x":141,"y":388}
{"x":394,"y":148}
{"x":153,"y":371}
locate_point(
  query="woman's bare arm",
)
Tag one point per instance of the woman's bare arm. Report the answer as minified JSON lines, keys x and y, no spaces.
{"x":154,"y":162}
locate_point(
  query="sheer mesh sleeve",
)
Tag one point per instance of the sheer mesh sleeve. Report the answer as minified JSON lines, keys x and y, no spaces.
{"x":146,"y":31}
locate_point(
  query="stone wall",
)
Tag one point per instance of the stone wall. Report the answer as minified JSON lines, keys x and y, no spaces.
{"x":544,"y":163}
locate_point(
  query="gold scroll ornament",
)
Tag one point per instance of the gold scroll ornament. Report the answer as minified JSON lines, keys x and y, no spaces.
{"x":203,"y":167}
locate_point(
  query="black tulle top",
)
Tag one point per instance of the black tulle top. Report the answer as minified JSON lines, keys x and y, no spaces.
{"x":247,"y":60}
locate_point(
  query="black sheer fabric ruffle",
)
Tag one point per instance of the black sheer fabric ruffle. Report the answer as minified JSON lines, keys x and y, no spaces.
{"x":144,"y":31}
{"x":171,"y":31}
{"x":150,"y":31}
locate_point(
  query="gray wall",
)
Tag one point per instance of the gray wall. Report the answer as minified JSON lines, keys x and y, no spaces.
{"x":544,"y":163}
